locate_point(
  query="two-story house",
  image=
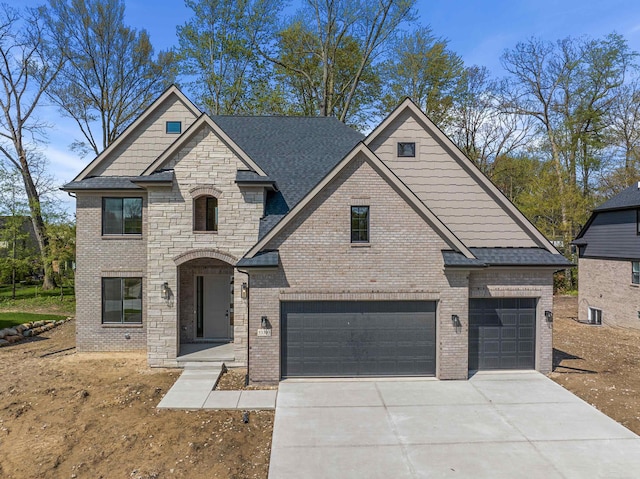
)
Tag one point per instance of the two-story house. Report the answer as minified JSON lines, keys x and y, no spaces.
{"x":312,"y":249}
{"x":609,"y":262}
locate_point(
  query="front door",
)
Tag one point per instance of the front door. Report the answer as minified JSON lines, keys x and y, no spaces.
{"x":213,"y":307}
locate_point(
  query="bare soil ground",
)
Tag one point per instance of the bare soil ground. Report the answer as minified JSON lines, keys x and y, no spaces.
{"x":600,"y":364}
{"x":235,"y":379}
{"x":69,"y":415}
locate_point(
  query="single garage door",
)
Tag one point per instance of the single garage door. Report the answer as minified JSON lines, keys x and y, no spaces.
{"x":502,"y":333}
{"x":358,"y":338}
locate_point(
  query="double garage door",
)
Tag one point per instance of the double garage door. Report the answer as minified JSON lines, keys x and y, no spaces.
{"x":398,"y":338}
{"x":358,"y":338}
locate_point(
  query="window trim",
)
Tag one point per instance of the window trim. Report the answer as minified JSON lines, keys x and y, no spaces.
{"x":359,"y":229}
{"x":598,"y":315}
{"x":122,"y":231}
{"x":399,"y":150}
{"x":206,"y":197}
{"x":173,"y":122}
{"x":635,"y":272}
{"x":122,"y":321}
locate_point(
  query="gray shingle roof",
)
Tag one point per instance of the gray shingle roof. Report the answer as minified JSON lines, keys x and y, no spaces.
{"x":251,"y":177}
{"x":268,"y":259}
{"x":118,"y":182}
{"x":296,"y":152}
{"x":627,"y":198}
{"x":505,"y":257}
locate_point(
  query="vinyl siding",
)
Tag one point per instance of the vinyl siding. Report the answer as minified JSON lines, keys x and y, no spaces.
{"x":612,"y":234}
{"x":447,"y":187}
{"x":144,"y":144}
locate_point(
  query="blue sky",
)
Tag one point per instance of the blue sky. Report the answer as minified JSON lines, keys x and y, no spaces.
{"x":478,"y":31}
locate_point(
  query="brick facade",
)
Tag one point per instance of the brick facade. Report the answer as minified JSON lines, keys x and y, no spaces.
{"x":402,"y":261}
{"x":606,"y":284}
{"x":100,"y":256}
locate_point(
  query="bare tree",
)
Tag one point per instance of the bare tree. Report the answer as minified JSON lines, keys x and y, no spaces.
{"x":568,"y":88}
{"x":110,"y":75}
{"x":27,"y":68}
{"x":479,"y":126}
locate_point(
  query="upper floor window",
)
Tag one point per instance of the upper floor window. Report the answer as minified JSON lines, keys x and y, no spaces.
{"x":359,"y":224}
{"x":174,"y":127}
{"x":121,"y":300}
{"x":635,"y":272}
{"x":406,"y":149}
{"x":121,"y":216}
{"x":206,"y":213}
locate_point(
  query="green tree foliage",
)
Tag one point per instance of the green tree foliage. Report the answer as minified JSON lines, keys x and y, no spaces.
{"x":329,"y":54}
{"x":219,"y":55}
{"x":18,"y":248}
{"x":302,"y":78}
{"x":422,"y":67}
{"x":111,"y":73}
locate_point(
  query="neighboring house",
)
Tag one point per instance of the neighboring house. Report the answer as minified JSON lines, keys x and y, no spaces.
{"x":609,"y":262}
{"x":315,"y":250}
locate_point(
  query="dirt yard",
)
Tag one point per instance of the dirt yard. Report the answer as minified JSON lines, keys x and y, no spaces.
{"x":68,"y":415}
{"x":600,"y":364}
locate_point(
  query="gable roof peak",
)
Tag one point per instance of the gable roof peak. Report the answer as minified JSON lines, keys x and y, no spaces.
{"x":172,"y":90}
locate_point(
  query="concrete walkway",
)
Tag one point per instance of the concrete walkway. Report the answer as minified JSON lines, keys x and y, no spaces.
{"x":194,"y":390}
{"x":497,"y":426}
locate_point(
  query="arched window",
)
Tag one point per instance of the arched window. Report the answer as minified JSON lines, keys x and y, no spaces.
{"x":205,"y":214}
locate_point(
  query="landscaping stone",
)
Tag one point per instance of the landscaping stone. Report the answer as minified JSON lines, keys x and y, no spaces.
{"x":3,"y":342}
{"x":27,"y":333}
{"x":13,"y":338}
{"x":20,"y":328}
{"x":27,"y":330}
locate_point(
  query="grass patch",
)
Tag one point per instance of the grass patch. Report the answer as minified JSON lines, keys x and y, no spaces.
{"x":8,"y":320}
{"x":32,"y":298}
{"x":33,"y":291}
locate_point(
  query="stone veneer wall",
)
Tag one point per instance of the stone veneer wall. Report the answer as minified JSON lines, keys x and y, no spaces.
{"x":606,"y":284}
{"x":204,"y":163}
{"x":100,"y":256}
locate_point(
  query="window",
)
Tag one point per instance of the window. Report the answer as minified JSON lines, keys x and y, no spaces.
{"x":122,"y":300}
{"x":359,"y":224}
{"x":595,"y":316}
{"x":407,"y":149}
{"x":635,"y":272}
{"x":174,"y":127}
{"x":638,"y":222}
{"x":206,"y":213}
{"x":121,"y":216}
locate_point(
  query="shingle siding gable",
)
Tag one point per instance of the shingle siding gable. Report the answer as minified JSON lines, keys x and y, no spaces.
{"x":447,"y":188}
{"x":144,"y":144}
{"x":612,"y":234}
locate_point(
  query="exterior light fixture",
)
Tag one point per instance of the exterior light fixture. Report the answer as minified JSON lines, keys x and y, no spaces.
{"x":549,"y":316}
{"x":244,"y":291}
{"x":164,"y":292}
{"x":264,"y":322}
{"x":455,"y":319}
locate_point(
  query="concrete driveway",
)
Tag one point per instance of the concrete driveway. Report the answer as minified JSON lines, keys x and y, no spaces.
{"x":498,"y":425}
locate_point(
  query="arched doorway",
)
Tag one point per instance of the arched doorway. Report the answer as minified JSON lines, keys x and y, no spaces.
{"x":205,"y":305}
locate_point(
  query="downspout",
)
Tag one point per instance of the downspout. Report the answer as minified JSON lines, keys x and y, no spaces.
{"x":246,"y":380}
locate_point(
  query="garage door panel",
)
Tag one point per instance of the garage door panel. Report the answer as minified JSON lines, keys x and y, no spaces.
{"x":502,"y":333}
{"x":332,"y":338}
